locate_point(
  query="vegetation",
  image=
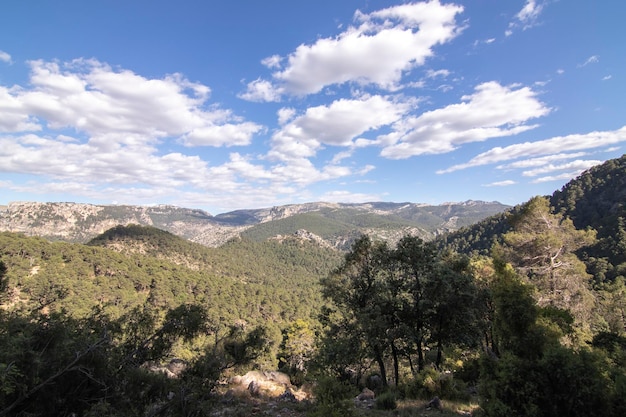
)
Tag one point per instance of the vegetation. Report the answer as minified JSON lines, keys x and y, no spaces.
{"x":521,"y":315}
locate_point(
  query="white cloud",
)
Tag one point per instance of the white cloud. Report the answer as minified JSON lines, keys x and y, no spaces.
{"x":555,"y":145}
{"x":492,"y":111}
{"x":578,"y":165}
{"x":5,"y":57}
{"x":541,"y":161}
{"x":530,"y":12}
{"x":342,"y":196}
{"x":285,"y":114}
{"x":527,"y":17}
{"x":560,"y":177}
{"x":261,"y":91}
{"x":386,"y":44}
{"x":14,"y":116}
{"x":607,"y":77}
{"x":591,"y":60}
{"x":91,"y":97}
{"x":504,"y":183}
{"x":272,"y":61}
{"x":222,"y":135}
{"x":443,"y":73}
{"x":337,"y":125}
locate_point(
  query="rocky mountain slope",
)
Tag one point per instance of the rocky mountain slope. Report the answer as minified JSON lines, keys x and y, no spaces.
{"x":335,"y":223}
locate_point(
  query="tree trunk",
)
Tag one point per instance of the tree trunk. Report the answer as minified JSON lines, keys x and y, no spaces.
{"x":439,"y":343}
{"x":381,"y":365}
{"x":420,"y":356}
{"x":396,"y":367}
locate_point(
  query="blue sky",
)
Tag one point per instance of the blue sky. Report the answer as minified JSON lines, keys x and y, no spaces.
{"x":225,"y":105}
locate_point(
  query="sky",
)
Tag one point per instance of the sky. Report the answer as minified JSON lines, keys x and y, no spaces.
{"x":224,"y":105}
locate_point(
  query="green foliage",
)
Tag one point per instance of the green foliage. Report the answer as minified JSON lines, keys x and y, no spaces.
{"x":561,"y":382}
{"x":297,"y":348}
{"x":386,"y":401}
{"x":534,"y":375}
{"x":542,"y":248}
{"x":431,"y":382}
{"x":477,"y":238}
{"x":396,"y":302}
{"x":333,"y":398}
{"x":252,"y":282}
{"x":52,"y":363}
{"x":596,"y":199}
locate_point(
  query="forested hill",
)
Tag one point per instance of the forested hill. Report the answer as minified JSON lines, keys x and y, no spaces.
{"x":253,"y":282}
{"x":596,"y":199}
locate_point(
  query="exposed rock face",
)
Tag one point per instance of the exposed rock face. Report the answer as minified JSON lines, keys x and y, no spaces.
{"x":75,"y":222}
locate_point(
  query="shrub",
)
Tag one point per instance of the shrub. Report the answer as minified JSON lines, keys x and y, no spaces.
{"x":386,"y":401}
{"x":430,"y":382}
{"x":333,"y":398}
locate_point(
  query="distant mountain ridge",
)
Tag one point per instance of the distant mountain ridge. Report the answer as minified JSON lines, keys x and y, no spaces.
{"x":335,"y":223}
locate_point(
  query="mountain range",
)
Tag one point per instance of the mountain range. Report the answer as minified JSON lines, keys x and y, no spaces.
{"x":332,"y":224}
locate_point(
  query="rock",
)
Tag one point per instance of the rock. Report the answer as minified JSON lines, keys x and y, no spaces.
{"x":176,"y":367}
{"x":435,"y":403}
{"x":288,"y":396}
{"x":253,"y":388}
{"x":366,"y":395}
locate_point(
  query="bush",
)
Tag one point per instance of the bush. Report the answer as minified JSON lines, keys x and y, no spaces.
{"x":430,"y":382}
{"x":386,"y":401}
{"x":333,"y":398}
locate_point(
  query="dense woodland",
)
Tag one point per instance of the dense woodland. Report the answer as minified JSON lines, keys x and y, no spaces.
{"x":523,"y":313}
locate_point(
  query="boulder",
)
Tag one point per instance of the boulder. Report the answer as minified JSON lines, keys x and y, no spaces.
{"x":176,"y":367}
{"x":268,"y":383}
{"x":254,"y":388}
{"x":366,"y":395}
{"x":435,"y":403}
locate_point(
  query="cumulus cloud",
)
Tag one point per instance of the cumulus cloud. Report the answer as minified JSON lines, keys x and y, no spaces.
{"x":5,"y":57}
{"x":86,"y":127}
{"x":261,"y":91}
{"x":492,"y":111}
{"x":91,"y":97}
{"x":337,"y":124}
{"x":14,"y":117}
{"x":104,"y":159}
{"x":552,"y":146}
{"x":385,"y":45}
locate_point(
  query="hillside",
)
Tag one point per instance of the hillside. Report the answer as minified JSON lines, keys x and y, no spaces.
{"x":596,"y":199}
{"x":127,"y":266}
{"x":336,"y":223}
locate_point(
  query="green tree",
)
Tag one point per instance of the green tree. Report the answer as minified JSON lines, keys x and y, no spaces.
{"x":355,"y":288}
{"x":298,"y":346}
{"x":534,"y":375}
{"x":416,"y":266}
{"x":542,"y":248}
